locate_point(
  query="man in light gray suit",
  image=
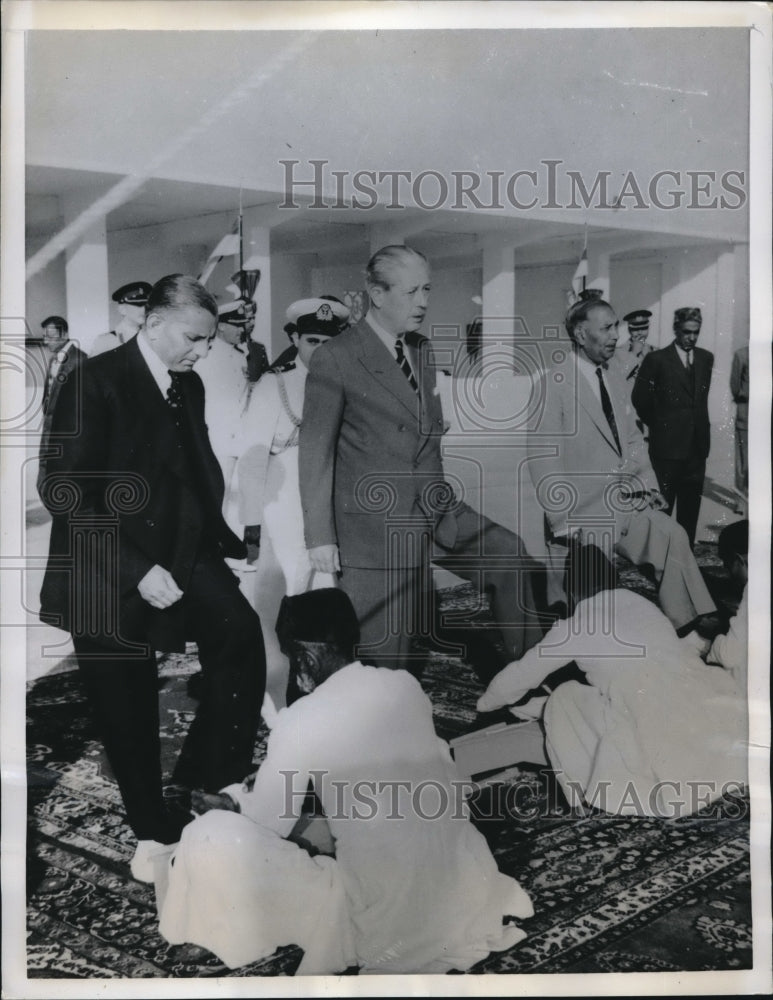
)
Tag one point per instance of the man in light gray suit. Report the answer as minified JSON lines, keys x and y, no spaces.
{"x":376,"y":505}
{"x":590,"y":468}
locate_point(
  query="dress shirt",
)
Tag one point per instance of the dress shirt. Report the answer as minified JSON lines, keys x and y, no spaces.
{"x":685,"y":356}
{"x":588,"y":369}
{"x":389,"y":340}
{"x":58,"y":360}
{"x":158,"y":369}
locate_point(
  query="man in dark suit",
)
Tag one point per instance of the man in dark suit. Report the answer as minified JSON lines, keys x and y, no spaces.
{"x":671,"y":397}
{"x":376,"y":505}
{"x":66,"y":357}
{"x":137,"y":560}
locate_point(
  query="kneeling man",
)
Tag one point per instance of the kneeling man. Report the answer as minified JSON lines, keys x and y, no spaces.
{"x":413,"y":886}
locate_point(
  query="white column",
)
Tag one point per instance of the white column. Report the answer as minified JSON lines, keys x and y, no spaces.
{"x":498,"y":308}
{"x":720,"y":341}
{"x":257,"y":252}
{"x":86,"y":278}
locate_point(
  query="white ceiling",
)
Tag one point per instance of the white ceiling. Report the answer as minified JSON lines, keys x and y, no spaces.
{"x":195,"y":116}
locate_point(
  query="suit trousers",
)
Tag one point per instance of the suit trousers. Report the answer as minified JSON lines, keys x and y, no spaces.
{"x":395,"y":604}
{"x":123,"y":692}
{"x":651,"y":538}
{"x":681,"y":483}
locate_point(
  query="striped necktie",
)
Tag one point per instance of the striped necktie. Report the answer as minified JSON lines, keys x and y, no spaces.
{"x":606,"y":406}
{"x":405,"y":365}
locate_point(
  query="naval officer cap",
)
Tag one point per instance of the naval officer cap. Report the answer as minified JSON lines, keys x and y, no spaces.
{"x":57,"y":321}
{"x":688,"y":314}
{"x":327,"y":316}
{"x":639,"y":319}
{"x":236,"y":313}
{"x":134,"y":294}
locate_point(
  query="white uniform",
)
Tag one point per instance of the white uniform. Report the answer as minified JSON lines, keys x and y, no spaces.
{"x":224,"y":374}
{"x":269,"y":496}
{"x":105,"y":342}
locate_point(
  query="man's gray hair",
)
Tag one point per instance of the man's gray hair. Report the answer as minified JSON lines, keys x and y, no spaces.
{"x":381,"y":266}
{"x":580,"y":311}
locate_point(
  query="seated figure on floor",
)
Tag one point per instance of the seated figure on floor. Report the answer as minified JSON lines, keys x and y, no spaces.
{"x":591,"y":472}
{"x":730,"y":650}
{"x":413,"y":886}
{"x":654,"y":731}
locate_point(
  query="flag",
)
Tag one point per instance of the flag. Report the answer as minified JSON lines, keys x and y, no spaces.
{"x":227,"y":247}
{"x":580,"y":274}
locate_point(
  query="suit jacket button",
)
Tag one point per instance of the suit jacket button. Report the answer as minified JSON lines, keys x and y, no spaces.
{"x":150,"y":524}
{"x":401,"y":427}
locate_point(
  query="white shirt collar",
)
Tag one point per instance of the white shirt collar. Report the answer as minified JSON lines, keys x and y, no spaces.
{"x":61,"y":354}
{"x":588,"y":368}
{"x":682,"y":354}
{"x":158,"y":369}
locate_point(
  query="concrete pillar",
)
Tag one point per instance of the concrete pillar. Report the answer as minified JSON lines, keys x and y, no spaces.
{"x":499,"y":302}
{"x":257,"y":253}
{"x":720,"y":465}
{"x":86,"y":277}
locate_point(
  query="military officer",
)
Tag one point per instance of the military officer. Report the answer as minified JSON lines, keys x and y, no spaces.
{"x":269,"y":495}
{"x":637,"y":348}
{"x":131,"y":300}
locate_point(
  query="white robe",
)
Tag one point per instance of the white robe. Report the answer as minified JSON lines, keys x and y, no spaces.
{"x":657,"y":732}
{"x":422,"y":890}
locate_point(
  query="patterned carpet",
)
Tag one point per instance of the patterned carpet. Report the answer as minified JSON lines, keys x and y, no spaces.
{"x":610,"y":894}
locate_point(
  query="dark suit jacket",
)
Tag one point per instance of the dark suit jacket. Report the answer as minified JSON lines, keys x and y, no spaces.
{"x":67,"y":373}
{"x":673,"y":403}
{"x":370,"y":449}
{"x":125,"y":475}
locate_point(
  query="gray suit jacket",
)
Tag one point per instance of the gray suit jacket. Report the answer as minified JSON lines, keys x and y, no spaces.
{"x":578,"y":473}
{"x":370,"y":450}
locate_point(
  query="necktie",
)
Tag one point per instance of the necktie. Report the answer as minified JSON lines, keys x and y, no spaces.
{"x":606,"y":406}
{"x":174,"y":396}
{"x":405,"y":365}
{"x":691,"y":370}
